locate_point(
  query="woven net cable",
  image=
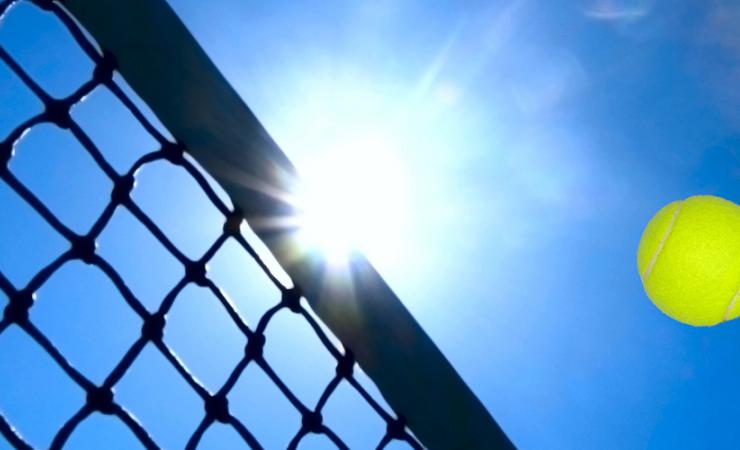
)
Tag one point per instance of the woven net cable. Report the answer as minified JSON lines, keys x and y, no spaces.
{"x":101,"y":398}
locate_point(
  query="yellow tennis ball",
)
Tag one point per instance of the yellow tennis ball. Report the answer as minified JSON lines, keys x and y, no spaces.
{"x":689,"y":260}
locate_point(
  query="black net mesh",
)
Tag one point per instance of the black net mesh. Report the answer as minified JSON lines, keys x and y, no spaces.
{"x":101,"y":398}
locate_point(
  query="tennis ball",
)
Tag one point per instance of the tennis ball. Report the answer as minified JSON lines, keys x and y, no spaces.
{"x":689,"y":260}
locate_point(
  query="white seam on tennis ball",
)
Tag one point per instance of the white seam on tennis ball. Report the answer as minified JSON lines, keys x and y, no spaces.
{"x":668,"y":230}
{"x":732,"y":304}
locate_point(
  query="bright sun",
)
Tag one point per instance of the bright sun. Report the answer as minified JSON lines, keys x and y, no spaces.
{"x":353,"y":198}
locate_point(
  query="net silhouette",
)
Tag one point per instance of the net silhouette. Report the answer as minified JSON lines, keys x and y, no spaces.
{"x":101,"y":398}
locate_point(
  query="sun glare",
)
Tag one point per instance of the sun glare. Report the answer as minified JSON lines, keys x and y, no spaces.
{"x":353,"y":199}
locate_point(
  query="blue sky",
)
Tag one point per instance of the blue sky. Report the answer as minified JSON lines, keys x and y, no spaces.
{"x":538,"y":139}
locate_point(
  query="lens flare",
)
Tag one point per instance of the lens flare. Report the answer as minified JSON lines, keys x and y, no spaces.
{"x":352,"y":199}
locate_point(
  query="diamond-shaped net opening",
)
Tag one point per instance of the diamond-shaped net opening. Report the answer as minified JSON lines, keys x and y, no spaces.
{"x":99,"y":318}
